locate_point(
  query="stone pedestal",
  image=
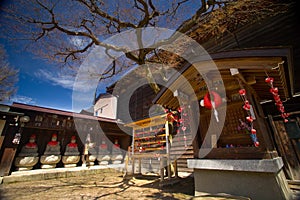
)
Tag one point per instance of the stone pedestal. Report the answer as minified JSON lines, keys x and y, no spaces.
{"x":49,"y":161}
{"x":116,"y":155}
{"x":103,"y":159}
{"x":257,"y":179}
{"x":70,"y":161}
{"x":103,"y":155}
{"x":26,"y":162}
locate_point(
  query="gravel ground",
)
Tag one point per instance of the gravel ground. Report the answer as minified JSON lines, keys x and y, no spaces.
{"x":99,"y":186}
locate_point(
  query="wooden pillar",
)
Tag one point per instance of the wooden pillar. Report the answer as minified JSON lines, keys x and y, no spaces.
{"x":7,"y":161}
{"x":140,"y":165}
{"x":175,"y":168}
{"x":133,"y":162}
{"x":161,"y":166}
{"x":168,"y":149}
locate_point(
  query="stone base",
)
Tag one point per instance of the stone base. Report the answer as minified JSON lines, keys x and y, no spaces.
{"x":23,"y":168}
{"x":49,"y":161}
{"x":70,"y":165}
{"x":256,"y":179}
{"x":116,"y":161}
{"x":103,"y":158}
{"x":70,"y":161}
{"x":48,"y":166}
{"x":104,"y":162}
{"x":25,"y":162}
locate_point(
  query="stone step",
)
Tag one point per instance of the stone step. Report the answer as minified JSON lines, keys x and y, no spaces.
{"x":44,"y":174}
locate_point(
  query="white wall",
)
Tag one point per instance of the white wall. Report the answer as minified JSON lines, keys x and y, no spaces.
{"x":106,"y":106}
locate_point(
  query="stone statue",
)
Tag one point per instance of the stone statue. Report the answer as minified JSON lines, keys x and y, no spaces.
{"x":28,"y":156}
{"x":71,"y":156}
{"x":116,"y":153}
{"x":103,"y":153}
{"x":52,"y":154}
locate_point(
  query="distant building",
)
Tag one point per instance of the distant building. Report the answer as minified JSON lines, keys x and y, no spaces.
{"x":106,"y":106}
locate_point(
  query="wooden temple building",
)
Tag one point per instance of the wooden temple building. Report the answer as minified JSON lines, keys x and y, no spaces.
{"x":259,"y":66}
{"x":247,"y":143}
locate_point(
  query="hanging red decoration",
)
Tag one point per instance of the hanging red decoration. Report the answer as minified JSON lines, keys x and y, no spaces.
{"x":216,"y":98}
{"x":249,"y":118}
{"x":211,"y":101}
{"x":274,"y":91}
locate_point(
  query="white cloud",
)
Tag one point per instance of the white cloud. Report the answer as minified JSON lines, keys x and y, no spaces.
{"x":63,"y":80}
{"x":23,"y":99}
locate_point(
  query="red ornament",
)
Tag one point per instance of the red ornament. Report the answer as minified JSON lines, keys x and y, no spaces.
{"x":285,"y":115}
{"x":249,"y":119}
{"x":180,"y":109}
{"x":274,"y":90}
{"x":256,"y":144}
{"x":269,"y":80}
{"x":242,"y":92}
{"x":247,"y":106}
{"x":279,"y":103}
{"x":216,"y":99}
{"x":277,"y":98}
{"x":281,"y":109}
{"x":253,"y":131}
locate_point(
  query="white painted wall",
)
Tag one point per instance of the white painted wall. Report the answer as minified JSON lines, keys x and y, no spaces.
{"x":106,"y":106}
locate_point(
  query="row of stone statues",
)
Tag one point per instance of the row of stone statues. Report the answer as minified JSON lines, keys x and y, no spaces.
{"x":28,"y":156}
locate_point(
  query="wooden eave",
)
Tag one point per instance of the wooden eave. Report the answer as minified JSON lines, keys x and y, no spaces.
{"x":253,"y":65}
{"x":60,"y":112}
{"x":153,"y":121}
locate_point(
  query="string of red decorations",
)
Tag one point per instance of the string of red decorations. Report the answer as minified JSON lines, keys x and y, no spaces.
{"x":278,"y":102}
{"x":180,"y":122}
{"x":249,"y":118}
{"x":184,"y":120}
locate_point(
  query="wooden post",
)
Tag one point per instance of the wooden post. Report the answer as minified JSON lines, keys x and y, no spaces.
{"x":7,"y":161}
{"x":175,"y":168}
{"x":168,"y":149}
{"x":132,"y":149}
{"x":133,"y":161}
{"x":161,"y":166}
{"x":140,"y":166}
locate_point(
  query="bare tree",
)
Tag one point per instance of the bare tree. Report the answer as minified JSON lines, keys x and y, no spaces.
{"x":67,"y":30}
{"x":8,"y":77}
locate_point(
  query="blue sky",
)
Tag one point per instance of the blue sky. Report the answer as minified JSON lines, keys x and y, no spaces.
{"x":40,"y":83}
{"x":34,"y":87}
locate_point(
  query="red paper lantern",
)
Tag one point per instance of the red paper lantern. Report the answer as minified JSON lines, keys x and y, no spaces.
{"x":207,"y":102}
